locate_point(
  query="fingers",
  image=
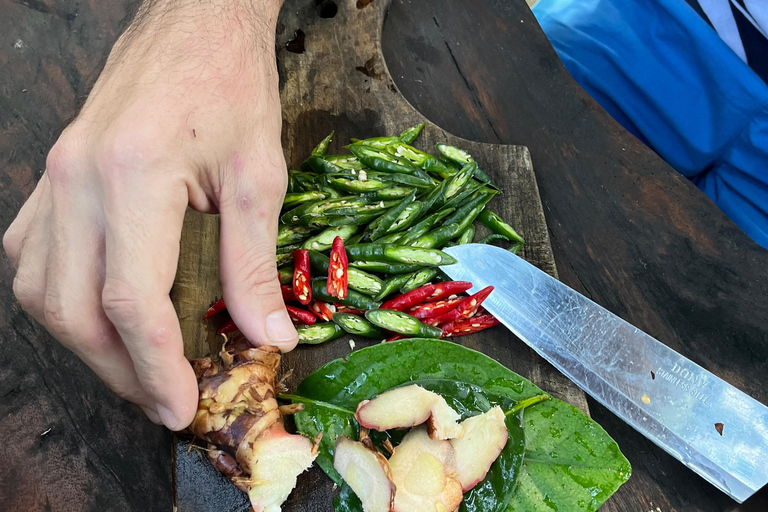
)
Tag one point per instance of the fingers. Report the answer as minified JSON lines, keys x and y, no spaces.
{"x":13,"y":239}
{"x":251,"y":197}
{"x":144,"y":215}
{"x":30,"y":280}
{"x":73,"y":312}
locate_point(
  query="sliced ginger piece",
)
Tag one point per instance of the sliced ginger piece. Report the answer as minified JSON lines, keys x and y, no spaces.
{"x":424,"y":472}
{"x":367,"y":472}
{"x":278,"y":458}
{"x":409,"y":406}
{"x":484,"y":437}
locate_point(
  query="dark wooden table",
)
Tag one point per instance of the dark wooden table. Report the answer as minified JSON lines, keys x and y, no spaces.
{"x":627,"y":231}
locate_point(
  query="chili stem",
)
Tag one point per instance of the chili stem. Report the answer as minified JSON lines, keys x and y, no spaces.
{"x":305,"y":400}
{"x":524,"y":404}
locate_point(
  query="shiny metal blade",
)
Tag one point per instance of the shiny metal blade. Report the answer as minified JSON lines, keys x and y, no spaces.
{"x":713,"y":428}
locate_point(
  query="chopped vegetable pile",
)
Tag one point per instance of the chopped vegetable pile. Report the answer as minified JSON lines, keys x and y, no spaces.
{"x":411,"y":426}
{"x":367,"y":227}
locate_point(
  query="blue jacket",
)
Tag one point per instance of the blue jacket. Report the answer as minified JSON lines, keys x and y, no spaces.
{"x":666,"y":76}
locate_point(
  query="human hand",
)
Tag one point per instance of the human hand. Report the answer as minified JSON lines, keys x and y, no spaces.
{"x":186,"y":112}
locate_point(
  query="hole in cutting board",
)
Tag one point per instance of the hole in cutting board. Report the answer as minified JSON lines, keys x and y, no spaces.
{"x":326,"y":8}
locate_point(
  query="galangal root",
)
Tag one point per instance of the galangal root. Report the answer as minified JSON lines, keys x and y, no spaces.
{"x":238,"y":416}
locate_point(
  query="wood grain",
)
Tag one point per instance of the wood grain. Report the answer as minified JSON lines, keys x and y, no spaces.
{"x":341,"y":83}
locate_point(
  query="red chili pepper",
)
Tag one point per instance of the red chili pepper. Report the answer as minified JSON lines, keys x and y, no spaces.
{"x":341,"y":308}
{"x":466,"y":308}
{"x":468,"y":326}
{"x":396,"y":337}
{"x":433,"y":309}
{"x":288,"y":295}
{"x":322,"y":310}
{"x":301,"y":316}
{"x":428,"y":292}
{"x":227,"y":327}
{"x":337,"y":270}
{"x":301,"y":277}
{"x":217,"y":307}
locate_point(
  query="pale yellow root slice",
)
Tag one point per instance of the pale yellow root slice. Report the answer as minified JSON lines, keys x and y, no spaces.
{"x":484,"y":437}
{"x":424,"y":473}
{"x":367,"y":473}
{"x":409,"y":406}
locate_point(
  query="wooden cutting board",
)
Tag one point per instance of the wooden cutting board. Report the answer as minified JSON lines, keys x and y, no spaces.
{"x":333,"y":77}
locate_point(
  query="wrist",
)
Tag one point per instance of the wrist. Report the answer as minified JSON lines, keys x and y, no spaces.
{"x":242,"y":13}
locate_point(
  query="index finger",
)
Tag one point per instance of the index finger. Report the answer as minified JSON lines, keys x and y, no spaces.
{"x":143,"y":229}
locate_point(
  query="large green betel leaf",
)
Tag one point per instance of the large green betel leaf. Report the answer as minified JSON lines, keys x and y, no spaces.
{"x":570,"y":463}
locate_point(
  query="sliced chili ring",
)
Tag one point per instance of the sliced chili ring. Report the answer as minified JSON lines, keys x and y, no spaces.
{"x":301,"y":276}
{"x":337,"y":270}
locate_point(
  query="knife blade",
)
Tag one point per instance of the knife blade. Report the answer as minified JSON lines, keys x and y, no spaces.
{"x":709,"y":425}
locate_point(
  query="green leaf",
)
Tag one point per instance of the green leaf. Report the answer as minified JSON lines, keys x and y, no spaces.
{"x":570,"y":464}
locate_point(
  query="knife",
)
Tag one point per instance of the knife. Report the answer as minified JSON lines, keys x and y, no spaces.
{"x":713,"y":428}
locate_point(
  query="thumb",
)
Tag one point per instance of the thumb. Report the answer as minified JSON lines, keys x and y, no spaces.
{"x":251,"y":198}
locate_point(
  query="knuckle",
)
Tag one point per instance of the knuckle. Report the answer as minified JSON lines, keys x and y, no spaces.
{"x":59,"y":319}
{"x":12,"y":240}
{"x":28,"y":291}
{"x":61,"y":159}
{"x":122,"y":303}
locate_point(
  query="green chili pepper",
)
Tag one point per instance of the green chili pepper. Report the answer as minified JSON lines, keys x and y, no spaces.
{"x":460,"y":198}
{"x":495,"y":237}
{"x":461,"y":213}
{"x":434,"y":199}
{"x":290,"y":234}
{"x":419,"y":278}
{"x":388,"y":193}
{"x":285,"y":274}
{"x":349,"y":162}
{"x":423,"y":227}
{"x":322,"y":165}
{"x":392,"y":284}
{"x":353,"y":220}
{"x":515,"y":249}
{"x":409,"y":135}
{"x":317,"y":208}
{"x":376,"y":142}
{"x":286,"y":257}
{"x":358,"y":325}
{"x":357,"y":279}
{"x":319,"y":333}
{"x":389,"y":218}
{"x":384,"y":268}
{"x":321,"y":148}
{"x":300,"y":182}
{"x":458,"y":180}
{"x":296,"y":198}
{"x":356,"y":186}
{"x":466,"y":236}
{"x":422,"y":160}
{"x":331,"y":192}
{"x":392,"y":238}
{"x":411,"y":180}
{"x":437,"y":237}
{"x":400,"y":254}
{"x":401,"y":323}
{"x":462,"y":158}
{"x":355,"y":239}
{"x":382,"y":161}
{"x":324,"y":240}
{"x":353,"y":298}
{"x":497,"y":225}
{"x":407,"y":217}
